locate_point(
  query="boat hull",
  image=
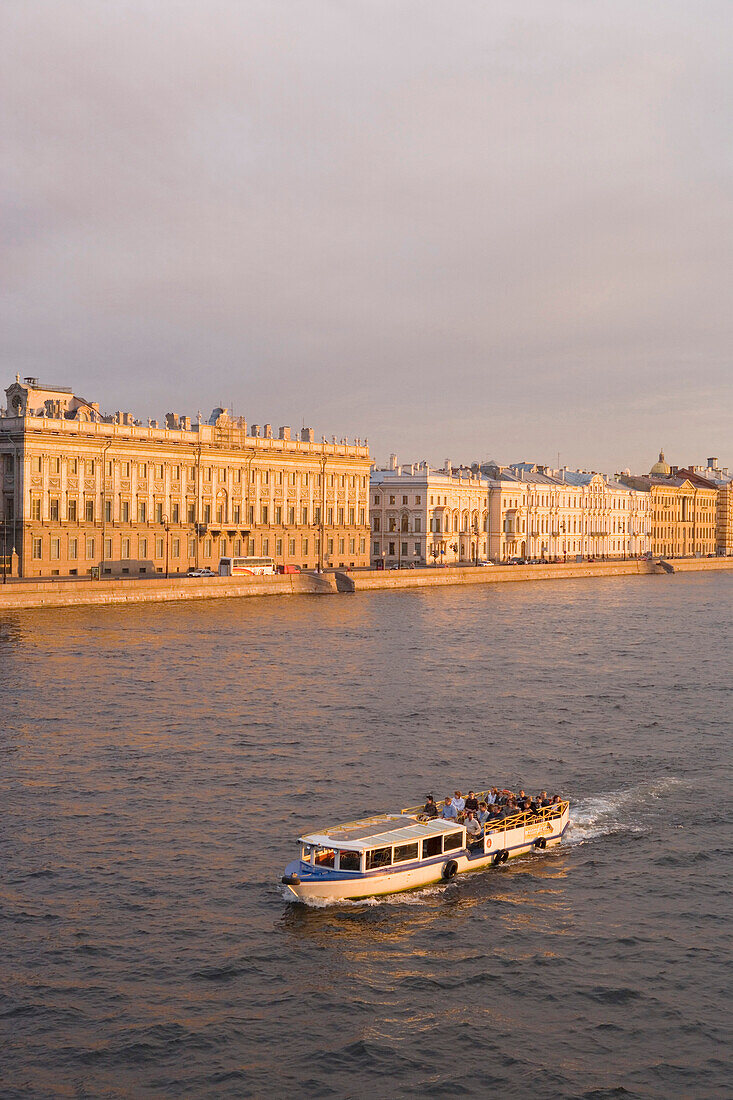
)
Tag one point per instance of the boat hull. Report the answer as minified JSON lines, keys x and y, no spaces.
{"x":503,"y":843}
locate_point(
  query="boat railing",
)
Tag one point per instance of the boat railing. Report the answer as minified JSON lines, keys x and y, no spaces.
{"x":527,"y":817}
{"x":514,"y":821}
{"x":481,"y":796}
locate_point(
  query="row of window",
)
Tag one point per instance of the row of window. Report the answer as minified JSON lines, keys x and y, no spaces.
{"x":433,"y":550}
{"x":223,"y":514}
{"x":376,"y":858}
{"x":208,"y":473}
{"x":124,"y":546}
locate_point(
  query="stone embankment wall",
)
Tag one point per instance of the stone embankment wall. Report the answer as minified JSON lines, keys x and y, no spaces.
{"x":497,"y":574}
{"x":38,"y":594}
{"x":73,"y":593}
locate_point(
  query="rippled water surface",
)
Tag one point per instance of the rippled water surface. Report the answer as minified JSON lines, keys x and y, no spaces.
{"x":157,"y":764}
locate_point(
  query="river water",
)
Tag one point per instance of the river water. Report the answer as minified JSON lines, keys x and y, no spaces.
{"x":157,"y":764}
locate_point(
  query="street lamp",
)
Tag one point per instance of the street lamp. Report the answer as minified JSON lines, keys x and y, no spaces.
{"x":104,"y":506}
{"x":5,"y":541}
{"x":167,"y":529}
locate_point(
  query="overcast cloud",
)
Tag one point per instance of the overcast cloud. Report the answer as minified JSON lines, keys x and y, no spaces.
{"x":466,"y":229}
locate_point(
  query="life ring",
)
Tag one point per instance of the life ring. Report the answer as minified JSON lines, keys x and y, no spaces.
{"x":540,"y":842}
{"x":500,"y":857}
{"x":450,"y":870}
{"x":504,"y":856}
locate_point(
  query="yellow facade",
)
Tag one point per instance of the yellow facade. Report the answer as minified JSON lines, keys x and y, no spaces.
{"x":87,"y":495}
{"x":684,"y":518}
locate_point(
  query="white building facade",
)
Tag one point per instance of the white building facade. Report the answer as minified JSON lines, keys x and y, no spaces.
{"x":423,"y":516}
{"x":547,"y":514}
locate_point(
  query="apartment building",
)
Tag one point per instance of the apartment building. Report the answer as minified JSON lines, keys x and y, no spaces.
{"x":713,"y":477}
{"x":86,"y":494}
{"x":540,"y":513}
{"x":423,"y":516}
{"x":683,"y":514}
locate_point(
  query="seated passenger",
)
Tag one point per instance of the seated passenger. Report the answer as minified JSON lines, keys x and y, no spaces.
{"x":430,"y":809}
{"x":483,"y":814}
{"x":471,"y":802}
{"x":526,"y":806}
{"x":474,"y":831}
{"x":448,"y":811}
{"x":496,"y":813}
{"x":521,"y":796}
{"x":459,"y":802}
{"x":544,"y":799}
{"x":492,"y":796}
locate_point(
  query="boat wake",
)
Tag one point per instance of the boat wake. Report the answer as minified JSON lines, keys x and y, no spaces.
{"x":602,"y":814}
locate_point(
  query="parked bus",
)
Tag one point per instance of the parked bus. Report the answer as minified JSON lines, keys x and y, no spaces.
{"x":237,"y":567}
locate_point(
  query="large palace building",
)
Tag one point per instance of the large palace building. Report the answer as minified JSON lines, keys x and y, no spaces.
{"x":86,"y":494}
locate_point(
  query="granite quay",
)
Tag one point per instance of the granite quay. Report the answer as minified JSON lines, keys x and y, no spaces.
{"x":55,"y":592}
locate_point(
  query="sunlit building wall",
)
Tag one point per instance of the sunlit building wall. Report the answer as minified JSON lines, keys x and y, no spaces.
{"x":423,"y":516}
{"x":82,"y":493}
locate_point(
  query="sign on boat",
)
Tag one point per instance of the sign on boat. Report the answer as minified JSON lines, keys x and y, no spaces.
{"x":392,"y":852}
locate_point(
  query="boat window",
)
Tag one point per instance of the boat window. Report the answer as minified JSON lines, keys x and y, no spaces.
{"x":350,"y":861}
{"x":325,"y":857}
{"x":432,"y":846}
{"x":404,"y":852}
{"x":379,"y":857}
{"x":453,"y":840}
{"x":305,"y":853}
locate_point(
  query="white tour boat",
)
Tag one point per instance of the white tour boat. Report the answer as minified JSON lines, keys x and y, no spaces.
{"x":389,"y":853}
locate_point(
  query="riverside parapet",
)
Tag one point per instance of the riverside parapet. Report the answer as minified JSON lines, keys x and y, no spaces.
{"x":21,"y":595}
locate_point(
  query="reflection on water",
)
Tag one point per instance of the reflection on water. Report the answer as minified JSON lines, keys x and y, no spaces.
{"x":158,"y":764}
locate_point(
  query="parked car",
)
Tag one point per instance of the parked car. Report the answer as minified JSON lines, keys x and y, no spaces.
{"x":485,"y":563}
{"x":288,"y":569}
{"x":206,"y":572}
{"x":517,"y":561}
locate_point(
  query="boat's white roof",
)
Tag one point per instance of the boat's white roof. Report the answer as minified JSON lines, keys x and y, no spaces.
{"x":379,"y":831}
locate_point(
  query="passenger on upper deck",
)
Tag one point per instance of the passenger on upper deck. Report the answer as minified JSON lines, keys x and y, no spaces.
{"x":430,"y":808}
{"x":458,"y":801}
{"x":473,"y":827}
{"x":483,"y":814}
{"x":448,"y":811}
{"x":492,"y":796}
{"x":496,"y":813}
{"x":471,"y":802}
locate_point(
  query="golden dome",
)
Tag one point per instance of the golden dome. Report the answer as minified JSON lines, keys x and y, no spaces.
{"x":660,"y":468}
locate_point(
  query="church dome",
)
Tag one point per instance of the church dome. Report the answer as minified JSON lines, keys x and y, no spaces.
{"x":660,"y":468}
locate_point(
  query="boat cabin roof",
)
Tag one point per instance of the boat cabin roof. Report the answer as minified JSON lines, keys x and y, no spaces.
{"x":383,"y":830}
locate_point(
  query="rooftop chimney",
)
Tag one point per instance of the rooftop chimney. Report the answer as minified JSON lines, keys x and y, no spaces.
{"x":393,"y":462}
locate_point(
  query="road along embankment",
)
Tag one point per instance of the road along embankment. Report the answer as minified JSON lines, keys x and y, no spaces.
{"x":21,"y":595}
